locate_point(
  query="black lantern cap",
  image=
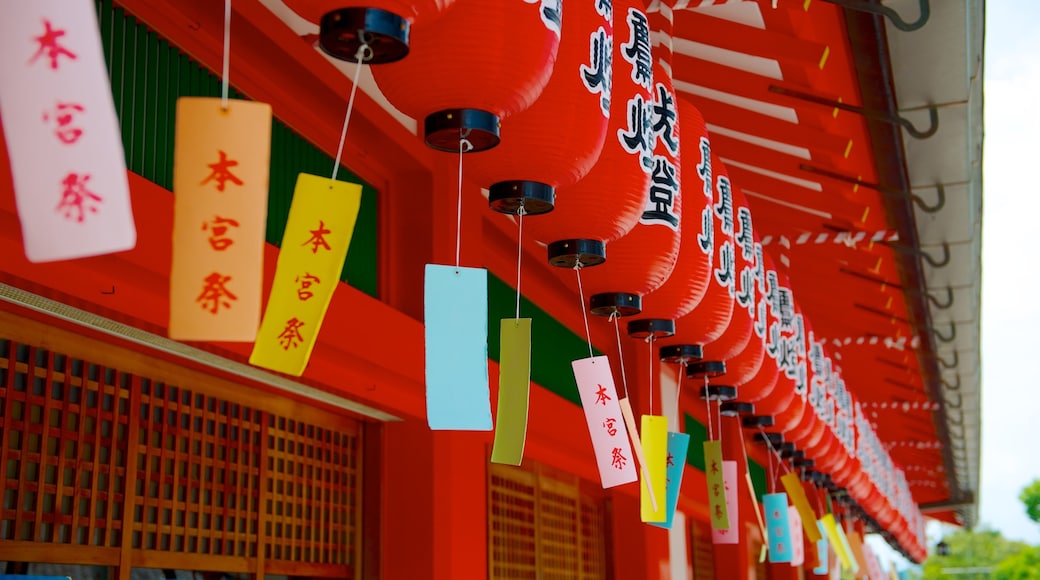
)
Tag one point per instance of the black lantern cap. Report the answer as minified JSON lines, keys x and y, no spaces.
{"x":735,"y":408}
{"x":786,"y":450}
{"x":706,"y":369}
{"x":619,"y":303}
{"x":681,"y":353}
{"x":571,"y":253}
{"x":803,"y":463}
{"x":446,"y":129}
{"x":756,"y":421}
{"x":718,"y":393}
{"x":651,"y":328}
{"x":344,"y":30}
{"x":533,"y":196}
{"x":775,"y":439}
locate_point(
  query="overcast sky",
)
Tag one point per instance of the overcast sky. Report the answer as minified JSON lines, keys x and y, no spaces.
{"x":1010,"y":268}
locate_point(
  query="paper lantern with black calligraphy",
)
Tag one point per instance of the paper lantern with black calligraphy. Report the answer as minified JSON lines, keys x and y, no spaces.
{"x":477,"y":64}
{"x":608,"y":202}
{"x":383,"y":25}
{"x":742,"y":367}
{"x":558,"y":139}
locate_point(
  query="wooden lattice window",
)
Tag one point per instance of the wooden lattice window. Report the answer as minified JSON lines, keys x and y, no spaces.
{"x":545,"y":524}
{"x":701,"y":552}
{"x":109,"y":457}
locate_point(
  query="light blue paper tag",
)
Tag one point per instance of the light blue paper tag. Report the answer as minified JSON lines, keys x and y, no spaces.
{"x":778,"y":527}
{"x":678,"y":443}
{"x":821,"y":551}
{"x":456,"y":310}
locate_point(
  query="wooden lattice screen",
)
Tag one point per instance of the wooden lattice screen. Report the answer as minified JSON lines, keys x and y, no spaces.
{"x":109,"y":457}
{"x":545,"y":524}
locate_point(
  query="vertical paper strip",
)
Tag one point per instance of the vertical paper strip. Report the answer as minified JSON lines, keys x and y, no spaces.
{"x":856,"y":545}
{"x":63,"y":138}
{"x":678,"y":445}
{"x":853,"y":564}
{"x":778,"y":528}
{"x":796,"y":492}
{"x":514,"y":389}
{"x":831,"y":528}
{"x":732,"y":535}
{"x":314,"y":247}
{"x":872,"y":563}
{"x":221,"y":165}
{"x":457,"y":393}
{"x":653,"y":504}
{"x":754,"y":500}
{"x":637,"y":444}
{"x":821,"y":552}
{"x":610,"y":440}
{"x":716,"y":485}
{"x":797,"y":539}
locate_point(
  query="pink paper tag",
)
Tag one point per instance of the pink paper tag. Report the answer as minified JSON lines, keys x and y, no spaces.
{"x":63,"y":137}
{"x":606,"y":425}
{"x":797,"y":539}
{"x":732,"y":535}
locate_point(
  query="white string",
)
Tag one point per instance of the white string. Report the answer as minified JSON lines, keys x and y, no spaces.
{"x":707,"y":405}
{"x":718,"y":418}
{"x":621,"y":355}
{"x":581,"y":297}
{"x":458,"y":220}
{"x":363,"y":54}
{"x":519,"y":255}
{"x":650,"y":342}
{"x":227,"y":56}
{"x":678,"y":393}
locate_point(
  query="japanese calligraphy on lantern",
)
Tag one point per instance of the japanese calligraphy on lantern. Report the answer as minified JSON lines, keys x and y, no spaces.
{"x":729,"y":477}
{"x":455,"y":307}
{"x":314,"y":248}
{"x":514,"y":389}
{"x":653,"y":434}
{"x":778,"y":527}
{"x":63,"y":138}
{"x":720,"y":519}
{"x":606,"y":424}
{"x":220,"y":171}
{"x":675,"y":462}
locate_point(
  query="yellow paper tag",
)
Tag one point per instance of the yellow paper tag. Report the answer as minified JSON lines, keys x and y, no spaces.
{"x":796,"y":493}
{"x":716,"y":485}
{"x":514,"y":389}
{"x":637,"y":445}
{"x":221,"y":164}
{"x":314,"y":247}
{"x":654,"y":436}
{"x":836,"y":540}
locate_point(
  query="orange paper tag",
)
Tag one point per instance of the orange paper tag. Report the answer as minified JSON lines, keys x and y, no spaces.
{"x":220,"y":178}
{"x":796,"y":493}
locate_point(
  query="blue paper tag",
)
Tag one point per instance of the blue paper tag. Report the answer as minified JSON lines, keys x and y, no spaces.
{"x":821,"y":551}
{"x":778,"y":527}
{"x":456,"y":309}
{"x":678,"y":443}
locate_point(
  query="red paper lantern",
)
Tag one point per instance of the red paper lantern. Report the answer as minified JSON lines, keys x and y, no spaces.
{"x":558,"y":139}
{"x":477,"y":64}
{"x":383,"y":25}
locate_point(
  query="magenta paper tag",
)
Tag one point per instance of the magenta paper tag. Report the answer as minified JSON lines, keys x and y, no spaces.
{"x":797,"y":541}
{"x":732,"y":535}
{"x":606,"y":425}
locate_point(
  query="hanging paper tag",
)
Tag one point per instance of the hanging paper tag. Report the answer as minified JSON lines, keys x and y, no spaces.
{"x":678,"y":445}
{"x":796,"y":492}
{"x":847,"y":548}
{"x":732,"y":535}
{"x":603,"y":413}
{"x":831,"y":528}
{"x":856,"y":546}
{"x":873,"y":565}
{"x":778,"y":528}
{"x":637,"y":444}
{"x":821,"y":552}
{"x":221,"y":164}
{"x":63,"y":139}
{"x":716,"y":485}
{"x":653,"y":505}
{"x":457,"y":394}
{"x":797,"y":540}
{"x":514,"y":388}
{"x":314,"y":247}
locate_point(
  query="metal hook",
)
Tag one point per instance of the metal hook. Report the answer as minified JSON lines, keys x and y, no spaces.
{"x":889,"y":13}
{"x":918,"y":200}
{"x":935,"y":301}
{"x":946,"y":365}
{"x":942,"y":337}
{"x":937,"y":264}
{"x":933,"y":111}
{"x":948,"y":404}
{"x":940,"y":191}
{"x":950,"y":387}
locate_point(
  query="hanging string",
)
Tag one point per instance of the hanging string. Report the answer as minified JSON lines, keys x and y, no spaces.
{"x":364,"y":52}
{"x":678,"y":392}
{"x":769,"y":458}
{"x":650,"y":342}
{"x":581,"y":297}
{"x":464,"y":146}
{"x":519,"y":254}
{"x":621,"y":355}
{"x":225,"y":70}
{"x":707,"y":405}
{"x":718,"y":417}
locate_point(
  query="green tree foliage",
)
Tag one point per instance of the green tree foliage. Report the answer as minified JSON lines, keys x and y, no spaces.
{"x":1031,"y":497}
{"x":1024,"y":565}
{"x":983,"y":548}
